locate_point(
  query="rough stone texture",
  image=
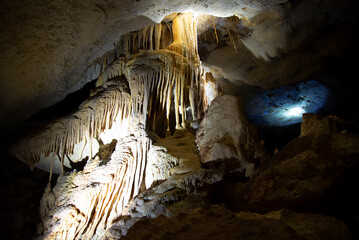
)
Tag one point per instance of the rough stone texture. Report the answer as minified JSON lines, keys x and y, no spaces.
{"x":233,"y":139}
{"x":285,"y":46}
{"x":155,"y":179}
{"x":312,"y":226}
{"x":47,"y":47}
{"x":144,"y":84}
{"x":305,"y":170}
{"x":71,"y":138}
{"x":87,"y":202}
{"x":81,"y":152}
{"x":174,"y":168}
{"x":215,"y":222}
{"x":52,"y":48}
{"x":316,"y":124}
{"x":159,"y":83}
{"x":285,"y":106}
{"x":173,"y":155}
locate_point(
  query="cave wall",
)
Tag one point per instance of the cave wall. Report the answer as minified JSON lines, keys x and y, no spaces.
{"x":47,"y":46}
{"x":52,"y":48}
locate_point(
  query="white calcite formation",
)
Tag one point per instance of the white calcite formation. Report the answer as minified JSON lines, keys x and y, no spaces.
{"x":90,"y":200}
{"x":157,"y":80}
{"x":173,"y":177}
{"x":150,"y":83}
{"x":63,"y":139}
{"x":234,"y":140}
{"x":141,"y":91}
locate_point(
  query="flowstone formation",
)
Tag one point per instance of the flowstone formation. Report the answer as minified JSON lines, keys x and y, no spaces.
{"x":311,"y":176}
{"x":156,"y":147}
{"x":156,"y":84}
{"x":60,"y":141}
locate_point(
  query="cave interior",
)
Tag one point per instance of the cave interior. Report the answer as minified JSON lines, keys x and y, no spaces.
{"x":179,"y":120}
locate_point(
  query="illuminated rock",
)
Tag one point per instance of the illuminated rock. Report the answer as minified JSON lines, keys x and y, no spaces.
{"x":62,"y":137}
{"x":147,"y":85}
{"x":80,"y":152}
{"x":285,"y":106}
{"x":174,"y":177}
{"x":233,"y":140}
{"x":87,"y":202}
{"x":152,"y":78}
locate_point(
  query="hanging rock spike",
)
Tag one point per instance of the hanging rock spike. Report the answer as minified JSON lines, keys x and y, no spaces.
{"x":163,"y":74}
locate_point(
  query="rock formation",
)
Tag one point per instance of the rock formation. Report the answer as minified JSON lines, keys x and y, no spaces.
{"x":233,"y":140}
{"x":180,"y":103}
{"x":216,"y":222}
{"x":155,"y":83}
{"x":306,"y":169}
{"x":157,"y":79}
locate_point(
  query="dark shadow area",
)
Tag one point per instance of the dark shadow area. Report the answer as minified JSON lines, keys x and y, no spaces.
{"x":68,"y":105}
{"x":277,"y":137}
{"x":21,"y":191}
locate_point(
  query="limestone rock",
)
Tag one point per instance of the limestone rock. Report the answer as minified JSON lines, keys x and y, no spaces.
{"x":305,"y":170}
{"x":69,"y":139}
{"x":138,"y":180}
{"x":316,"y":124}
{"x":172,"y":156}
{"x":216,"y":222}
{"x":284,"y":106}
{"x":147,"y":82}
{"x":56,"y":55}
{"x":312,"y":226}
{"x":173,"y":177}
{"x":277,"y":50}
{"x":152,"y":85}
{"x":213,"y":222}
{"x":86,"y":202}
{"x":233,"y":139}
{"x":53,"y":47}
{"x":81,"y":151}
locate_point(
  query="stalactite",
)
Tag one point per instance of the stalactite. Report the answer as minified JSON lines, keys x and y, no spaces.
{"x":232,"y":40}
{"x":148,"y":38}
{"x":61,"y":135}
{"x":158,"y":33}
{"x":161,"y":78}
{"x":215,"y":31}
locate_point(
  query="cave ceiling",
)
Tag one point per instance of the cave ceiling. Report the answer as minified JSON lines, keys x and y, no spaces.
{"x":48,"y":48}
